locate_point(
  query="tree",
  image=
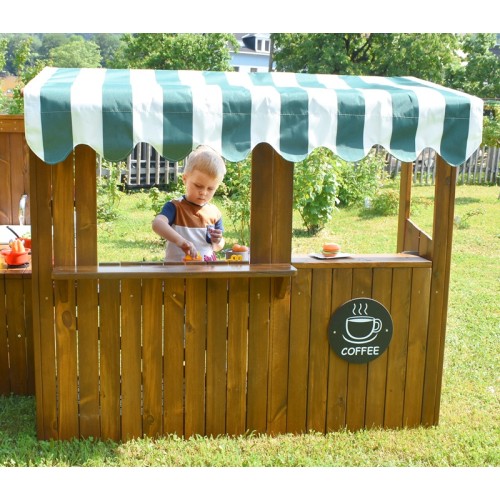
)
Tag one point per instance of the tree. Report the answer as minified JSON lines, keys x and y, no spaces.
{"x":196,"y":51}
{"x":480,"y":72}
{"x":76,"y":53}
{"x":424,"y":55}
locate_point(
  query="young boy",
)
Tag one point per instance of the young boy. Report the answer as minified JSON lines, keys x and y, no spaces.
{"x":191,"y":224}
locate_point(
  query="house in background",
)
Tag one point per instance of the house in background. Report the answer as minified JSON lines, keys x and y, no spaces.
{"x":254,"y":53}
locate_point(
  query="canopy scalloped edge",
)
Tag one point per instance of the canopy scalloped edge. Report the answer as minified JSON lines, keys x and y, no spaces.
{"x":175,"y":111}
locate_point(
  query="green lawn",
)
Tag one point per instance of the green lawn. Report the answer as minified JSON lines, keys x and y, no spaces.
{"x":468,"y":434}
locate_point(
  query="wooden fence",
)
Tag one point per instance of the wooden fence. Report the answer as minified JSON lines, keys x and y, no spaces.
{"x":483,"y":167}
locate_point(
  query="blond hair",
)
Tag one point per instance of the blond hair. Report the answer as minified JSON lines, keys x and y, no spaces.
{"x":207,"y":161}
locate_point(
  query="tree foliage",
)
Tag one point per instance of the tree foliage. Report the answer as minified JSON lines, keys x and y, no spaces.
{"x":76,"y":53}
{"x":195,"y":51}
{"x":464,"y":62}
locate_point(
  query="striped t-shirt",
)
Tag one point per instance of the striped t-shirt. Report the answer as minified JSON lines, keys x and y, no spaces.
{"x":191,"y":221}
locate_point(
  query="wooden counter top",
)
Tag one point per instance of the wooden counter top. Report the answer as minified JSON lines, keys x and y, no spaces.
{"x":363,"y":260}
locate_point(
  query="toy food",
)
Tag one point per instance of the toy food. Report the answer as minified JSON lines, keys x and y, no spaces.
{"x":239,"y":248}
{"x":17,"y":246}
{"x":330,"y":249}
{"x":188,"y":258}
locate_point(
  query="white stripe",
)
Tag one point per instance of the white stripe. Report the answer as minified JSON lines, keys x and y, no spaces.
{"x":378,"y":119}
{"x":431,"y":109}
{"x":265,"y":118}
{"x":335,"y":82}
{"x":323,"y":121}
{"x":86,"y":108}
{"x":207,"y":110}
{"x":284,"y":80}
{"x":147,"y":108}
{"x":32,"y":112}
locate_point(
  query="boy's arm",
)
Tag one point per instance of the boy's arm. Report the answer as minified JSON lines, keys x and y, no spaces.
{"x":162,"y":228}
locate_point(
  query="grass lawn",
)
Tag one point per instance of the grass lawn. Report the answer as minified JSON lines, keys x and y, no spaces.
{"x":468,"y":434}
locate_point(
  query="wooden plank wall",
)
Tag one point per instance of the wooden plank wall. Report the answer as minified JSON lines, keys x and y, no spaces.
{"x":14,"y":171}
{"x":195,"y":356}
{"x":16,"y":334}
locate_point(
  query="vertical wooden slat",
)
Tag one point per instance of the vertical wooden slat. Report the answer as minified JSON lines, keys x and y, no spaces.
{"x":173,"y":371}
{"x":43,"y":299}
{"x":109,"y":317}
{"x":66,"y":345}
{"x":358,"y":373}
{"x":86,"y":206}
{"x":397,"y":355}
{"x":88,"y":357}
{"x":14,"y":294}
{"x":338,"y":368}
{"x":278,"y":360}
{"x":281,"y":250}
{"x":417,"y":340}
{"x":258,"y":354}
{"x":6,"y":215}
{"x":216,"y":356}
{"x":196,"y":333}
{"x":319,"y":349}
{"x":65,"y":304}
{"x":28,"y":326}
{"x":237,"y":345}
{"x":19,"y":176}
{"x":131,"y":359}
{"x":4,"y":350}
{"x":377,"y":369}
{"x":152,"y":300}
{"x":87,"y":299}
{"x":261,"y":204}
{"x":300,"y":327}
{"x":438,"y":308}
{"x":404,"y":204}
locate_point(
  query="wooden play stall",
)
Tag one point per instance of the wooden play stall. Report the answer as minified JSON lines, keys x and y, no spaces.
{"x":125,"y":350}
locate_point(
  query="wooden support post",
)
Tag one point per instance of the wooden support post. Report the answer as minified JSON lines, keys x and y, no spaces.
{"x":441,"y":259}
{"x":271,"y":207}
{"x":404,"y":203}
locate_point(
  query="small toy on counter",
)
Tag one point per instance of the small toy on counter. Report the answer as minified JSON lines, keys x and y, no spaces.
{"x":188,"y":258}
{"x":330,"y":249}
{"x":238,"y":253}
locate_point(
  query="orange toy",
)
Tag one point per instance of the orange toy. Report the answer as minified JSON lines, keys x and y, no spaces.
{"x":188,"y":258}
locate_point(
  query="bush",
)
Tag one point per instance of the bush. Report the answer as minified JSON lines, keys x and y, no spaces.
{"x":236,"y":197}
{"x":386,"y":202}
{"x":360,"y":180}
{"x":315,"y":189}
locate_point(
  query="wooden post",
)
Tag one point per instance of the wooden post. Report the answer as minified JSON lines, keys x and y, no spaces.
{"x":404,"y":203}
{"x":441,"y":259}
{"x":271,"y":207}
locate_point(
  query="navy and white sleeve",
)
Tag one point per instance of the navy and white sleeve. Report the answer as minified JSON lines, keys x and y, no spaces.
{"x":169,"y":211}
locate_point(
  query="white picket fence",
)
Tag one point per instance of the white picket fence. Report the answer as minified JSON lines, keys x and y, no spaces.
{"x":145,"y":168}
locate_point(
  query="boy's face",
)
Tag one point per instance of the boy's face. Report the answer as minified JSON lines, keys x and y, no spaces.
{"x":200,"y":187}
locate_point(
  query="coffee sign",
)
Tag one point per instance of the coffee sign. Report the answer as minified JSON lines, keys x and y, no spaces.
{"x":360,"y":330}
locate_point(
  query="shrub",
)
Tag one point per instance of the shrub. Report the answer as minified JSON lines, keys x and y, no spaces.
{"x":315,"y":189}
{"x":359,"y":180}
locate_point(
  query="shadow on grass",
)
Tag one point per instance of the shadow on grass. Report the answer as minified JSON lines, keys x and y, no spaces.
{"x":466,"y":200}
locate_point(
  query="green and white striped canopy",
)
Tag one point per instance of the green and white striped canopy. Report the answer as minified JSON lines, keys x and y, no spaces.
{"x":112,"y":110}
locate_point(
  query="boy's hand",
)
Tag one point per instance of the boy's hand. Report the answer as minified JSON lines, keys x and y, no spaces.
{"x":215,"y":235}
{"x":189,"y":249}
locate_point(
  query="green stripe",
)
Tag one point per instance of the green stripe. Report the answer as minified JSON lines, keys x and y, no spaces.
{"x":456,"y":122}
{"x":177,"y":115}
{"x":455,"y":130}
{"x":117,"y":117}
{"x":405,"y":113}
{"x":294,"y":116}
{"x":55,"y":109}
{"x":236,"y":116}
{"x":350,"y":124}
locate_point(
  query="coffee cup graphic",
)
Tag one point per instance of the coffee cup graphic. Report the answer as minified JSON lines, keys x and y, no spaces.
{"x":362,"y":329}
